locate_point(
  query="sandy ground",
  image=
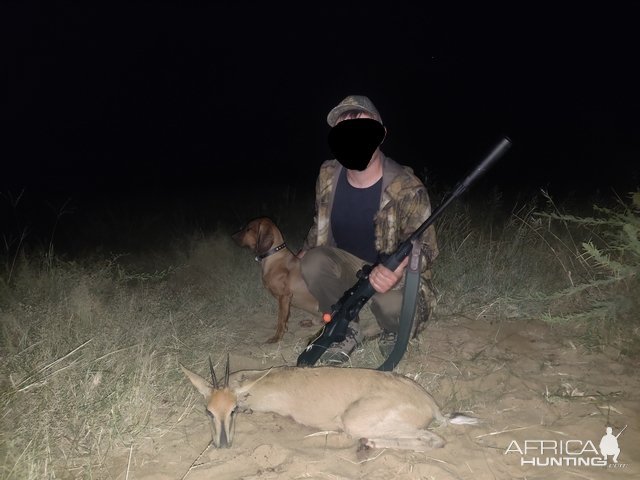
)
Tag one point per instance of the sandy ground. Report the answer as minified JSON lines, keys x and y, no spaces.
{"x":525,"y":380}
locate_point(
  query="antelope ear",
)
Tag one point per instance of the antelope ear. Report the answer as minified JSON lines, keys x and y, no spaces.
{"x":200,"y":383}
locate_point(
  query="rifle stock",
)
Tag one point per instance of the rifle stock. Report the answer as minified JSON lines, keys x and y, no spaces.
{"x":349,"y":305}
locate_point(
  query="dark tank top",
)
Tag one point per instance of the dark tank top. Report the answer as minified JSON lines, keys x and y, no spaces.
{"x":352,"y":217}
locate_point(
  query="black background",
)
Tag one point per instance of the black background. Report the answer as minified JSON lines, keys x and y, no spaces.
{"x":171,"y":97}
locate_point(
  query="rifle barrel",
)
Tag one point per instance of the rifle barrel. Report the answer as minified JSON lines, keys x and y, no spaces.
{"x":492,"y":157}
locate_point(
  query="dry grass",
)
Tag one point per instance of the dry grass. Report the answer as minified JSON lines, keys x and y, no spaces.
{"x":89,"y":351}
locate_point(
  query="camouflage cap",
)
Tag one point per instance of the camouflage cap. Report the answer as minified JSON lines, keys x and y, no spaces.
{"x":353,"y":102}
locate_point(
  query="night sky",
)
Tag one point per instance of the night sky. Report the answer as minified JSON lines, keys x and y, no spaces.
{"x":168,"y":97}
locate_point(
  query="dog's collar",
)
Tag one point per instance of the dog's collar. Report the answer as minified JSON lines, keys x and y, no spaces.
{"x":259,"y":258}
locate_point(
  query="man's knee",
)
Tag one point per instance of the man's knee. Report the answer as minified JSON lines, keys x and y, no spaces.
{"x":318,"y":263}
{"x":386,"y":308}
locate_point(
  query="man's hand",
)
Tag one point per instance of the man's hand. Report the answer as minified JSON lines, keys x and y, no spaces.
{"x":382,"y":279}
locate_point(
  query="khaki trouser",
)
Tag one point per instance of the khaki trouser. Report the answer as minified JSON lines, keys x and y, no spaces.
{"x":329,"y":271}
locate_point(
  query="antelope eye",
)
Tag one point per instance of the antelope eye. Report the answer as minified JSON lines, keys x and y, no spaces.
{"x":209,"y":413}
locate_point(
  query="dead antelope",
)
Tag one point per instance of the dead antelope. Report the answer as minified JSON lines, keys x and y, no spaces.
{"x":381,"y":409}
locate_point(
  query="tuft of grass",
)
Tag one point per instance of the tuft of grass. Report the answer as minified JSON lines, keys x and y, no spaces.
{"x":90,"y":352}
{"x":540,"y":262}
{"x":603,"y":296}
{"x":488,"y":259}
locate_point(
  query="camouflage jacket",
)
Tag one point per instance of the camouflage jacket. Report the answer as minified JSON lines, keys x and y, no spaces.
{"x":404,"y":205}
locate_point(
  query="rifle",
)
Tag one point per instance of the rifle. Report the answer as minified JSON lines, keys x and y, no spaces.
{"x":349,"y":305}
{"x":620,"y":432}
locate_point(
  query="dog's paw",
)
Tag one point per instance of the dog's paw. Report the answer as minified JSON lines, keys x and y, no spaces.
{"x":307,"y":322}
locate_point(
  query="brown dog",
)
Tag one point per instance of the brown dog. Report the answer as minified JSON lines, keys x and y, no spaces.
{"x":280,"y":270}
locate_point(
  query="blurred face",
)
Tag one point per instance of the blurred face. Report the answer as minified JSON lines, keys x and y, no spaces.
{"x":355,"y":139}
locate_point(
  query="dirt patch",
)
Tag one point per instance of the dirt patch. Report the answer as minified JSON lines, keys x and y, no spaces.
{"x":525,"y":380}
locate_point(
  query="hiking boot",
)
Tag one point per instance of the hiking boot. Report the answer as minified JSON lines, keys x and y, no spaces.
{"x":339,"y":352}
{"x":386,"y":342}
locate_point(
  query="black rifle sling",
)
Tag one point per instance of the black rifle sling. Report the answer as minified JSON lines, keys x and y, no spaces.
{"x":408,"y":311}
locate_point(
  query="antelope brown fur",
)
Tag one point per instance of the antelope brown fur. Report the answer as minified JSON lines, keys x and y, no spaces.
{"x":380,"y":409}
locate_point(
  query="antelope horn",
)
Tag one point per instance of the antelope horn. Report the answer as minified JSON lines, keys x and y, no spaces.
{"x":214,"y":380}
{"x":226,"y":373}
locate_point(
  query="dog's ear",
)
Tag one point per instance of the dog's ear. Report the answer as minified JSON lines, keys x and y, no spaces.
{"x":265,"y":239}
